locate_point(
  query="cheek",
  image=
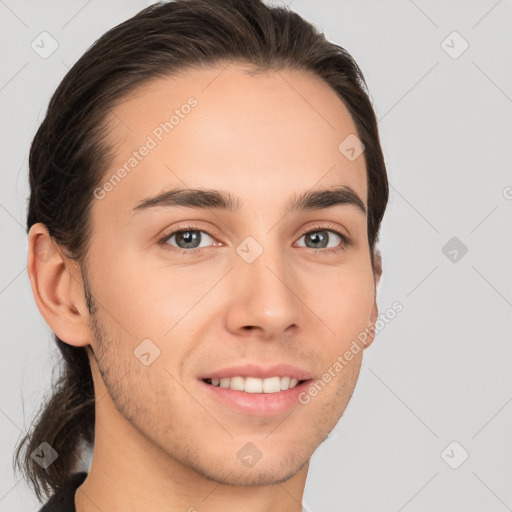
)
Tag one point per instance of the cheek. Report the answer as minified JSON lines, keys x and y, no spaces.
{"x":149,"y":298}
{"x":146,"y":299}
{"x":345,"y":301}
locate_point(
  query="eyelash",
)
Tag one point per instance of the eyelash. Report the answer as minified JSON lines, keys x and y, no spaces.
{"x":345,"y":240}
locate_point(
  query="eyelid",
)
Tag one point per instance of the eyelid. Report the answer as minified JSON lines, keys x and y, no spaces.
{"x":326,"y":226}
{"x":161,"y":239}
{"x":346,"y":239}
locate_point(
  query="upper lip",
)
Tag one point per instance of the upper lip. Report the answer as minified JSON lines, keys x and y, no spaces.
{"x":263,"y":372}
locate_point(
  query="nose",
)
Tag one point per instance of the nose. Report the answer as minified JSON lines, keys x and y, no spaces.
{"x":265,"y":298}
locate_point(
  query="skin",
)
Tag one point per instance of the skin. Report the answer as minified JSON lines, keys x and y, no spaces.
{"x":161,"y":443}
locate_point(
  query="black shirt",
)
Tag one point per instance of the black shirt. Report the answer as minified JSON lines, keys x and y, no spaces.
{"x":65,"y":500}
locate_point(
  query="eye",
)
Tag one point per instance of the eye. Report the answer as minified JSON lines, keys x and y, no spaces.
{"x":320,"y":236}
{"x":188,"y":239}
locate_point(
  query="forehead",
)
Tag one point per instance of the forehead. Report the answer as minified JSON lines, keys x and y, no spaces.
{"x":256,"y":134}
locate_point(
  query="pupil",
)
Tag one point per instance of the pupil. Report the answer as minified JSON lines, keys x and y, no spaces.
{"x":320,"y":235}
{"x":190,"y":239}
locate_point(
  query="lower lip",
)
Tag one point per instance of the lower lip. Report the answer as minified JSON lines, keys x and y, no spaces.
{"x":258,"y":404}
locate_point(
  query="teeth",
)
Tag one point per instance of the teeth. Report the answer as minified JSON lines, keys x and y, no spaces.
{"x":236,"y":383}
{"x":253,"y":385}
{"x":256,"y":385}
{"x":272,"y":385}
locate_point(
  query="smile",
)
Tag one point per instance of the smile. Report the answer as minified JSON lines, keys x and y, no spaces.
{"x":259,"y":397}
{"x":255,"y":384}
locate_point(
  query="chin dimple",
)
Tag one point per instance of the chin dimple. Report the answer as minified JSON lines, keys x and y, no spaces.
{"x":255,"y":384}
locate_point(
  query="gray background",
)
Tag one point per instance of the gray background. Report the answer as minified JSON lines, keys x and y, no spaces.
{"x":440,"y":371}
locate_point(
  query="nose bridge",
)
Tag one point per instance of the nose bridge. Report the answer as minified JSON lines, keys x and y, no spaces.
{"x":265,"y":295}
{"x":267,"y":275}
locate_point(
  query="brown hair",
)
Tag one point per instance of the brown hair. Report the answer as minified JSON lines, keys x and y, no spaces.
{"x":70,"y":154}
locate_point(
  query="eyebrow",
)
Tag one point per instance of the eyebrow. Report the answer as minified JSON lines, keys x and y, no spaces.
{"x":219,"y":200}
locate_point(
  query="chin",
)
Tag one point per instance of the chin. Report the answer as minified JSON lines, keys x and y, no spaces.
{"x":271,"y":472}
{"x":249,"y":477}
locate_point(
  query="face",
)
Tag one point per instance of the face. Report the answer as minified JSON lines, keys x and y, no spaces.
{"x":187,"y":287}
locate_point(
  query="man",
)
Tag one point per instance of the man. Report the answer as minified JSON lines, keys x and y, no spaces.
{"x":202,"y":243}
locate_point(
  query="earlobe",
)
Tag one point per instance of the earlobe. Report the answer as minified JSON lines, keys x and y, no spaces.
{"x":371,"y":327}
{"x":54,"y":283}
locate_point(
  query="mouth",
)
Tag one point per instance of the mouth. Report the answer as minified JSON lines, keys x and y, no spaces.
{"x":256,"y":389}
{"x":268,"y":385}
{"x":252,"y":396}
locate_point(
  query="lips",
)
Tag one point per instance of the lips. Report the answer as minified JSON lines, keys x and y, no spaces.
{"x":261,"y":372}
{"x":255,"y":403}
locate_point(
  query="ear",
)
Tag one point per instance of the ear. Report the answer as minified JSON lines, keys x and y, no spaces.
{"x":377,"y":273}
{"x":377,"y":268}
{"x":57,"y":287}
